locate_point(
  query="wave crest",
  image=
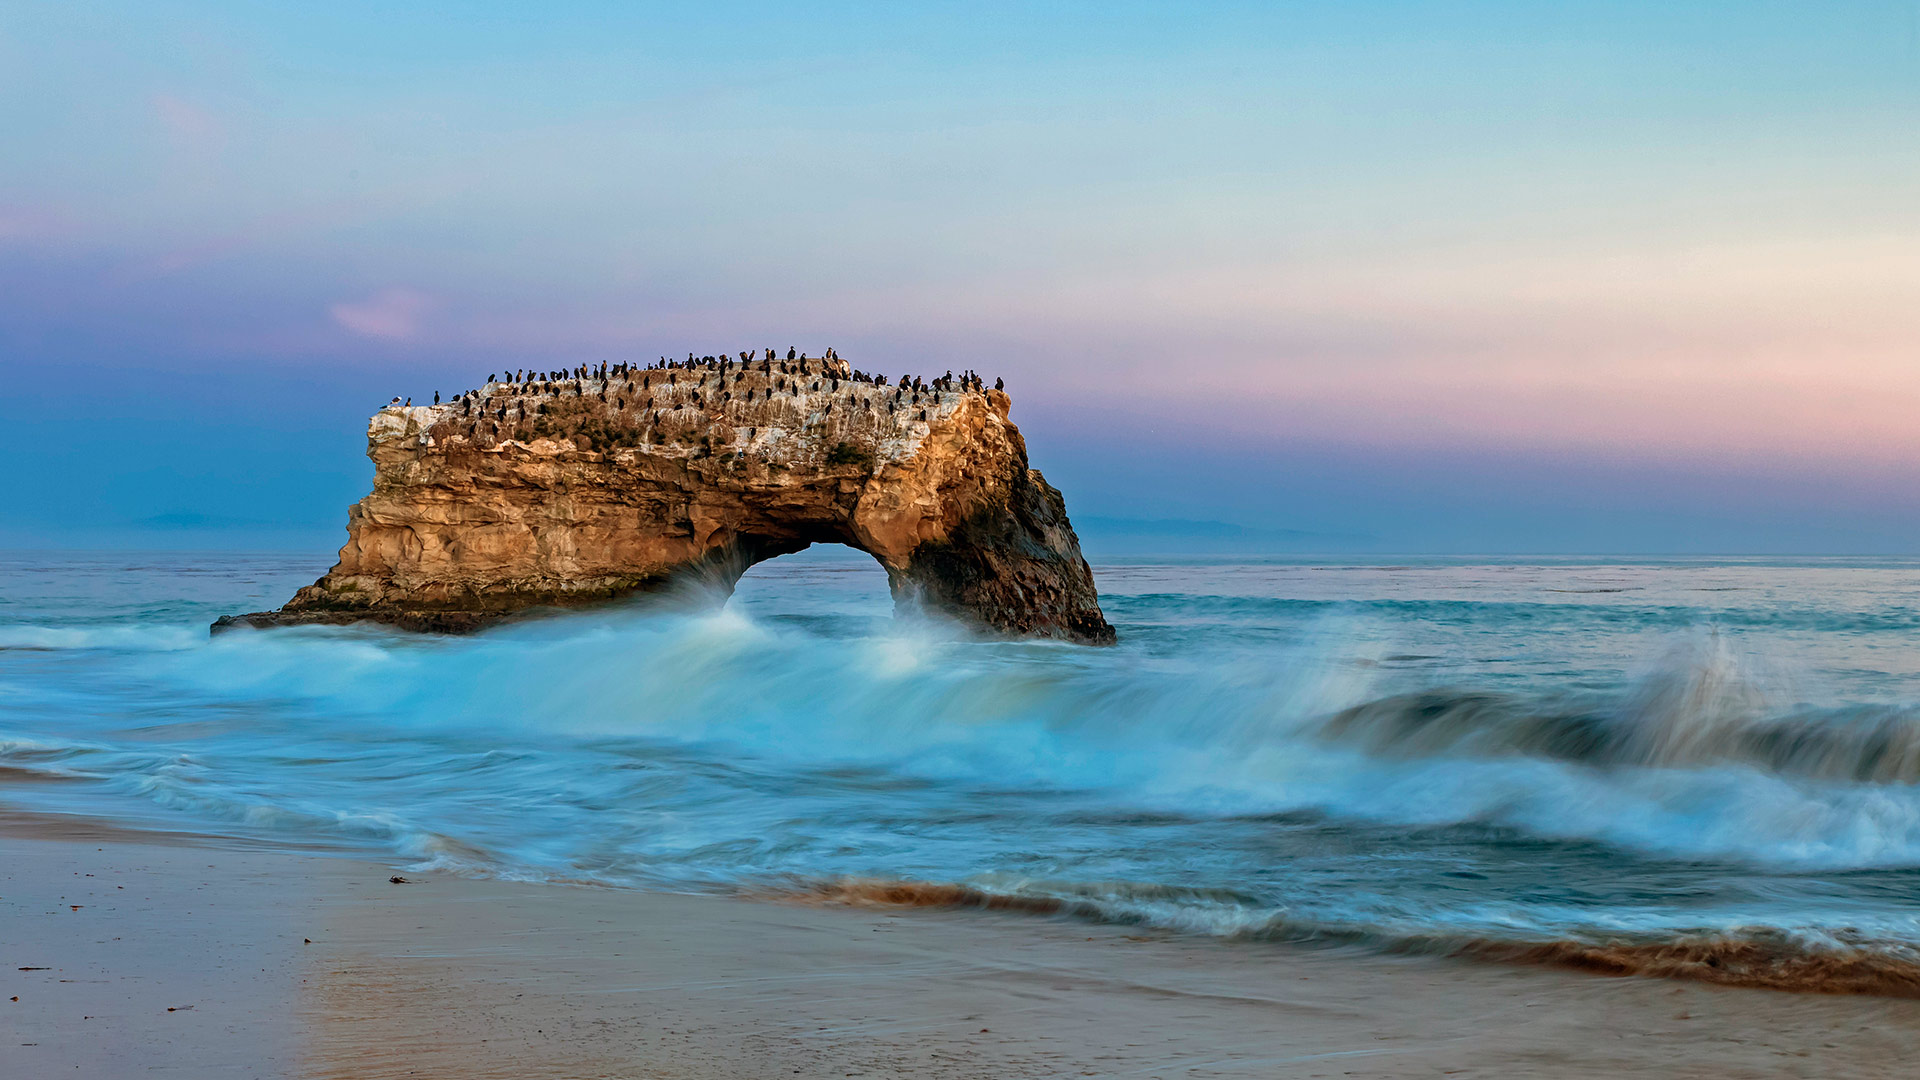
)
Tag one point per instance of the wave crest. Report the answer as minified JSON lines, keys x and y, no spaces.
{"x":1700,"y":706}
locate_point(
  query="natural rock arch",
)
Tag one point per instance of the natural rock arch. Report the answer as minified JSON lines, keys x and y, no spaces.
{"x":526,"y":495}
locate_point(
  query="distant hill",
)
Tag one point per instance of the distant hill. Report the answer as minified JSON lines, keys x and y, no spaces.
{"x":1162,"y":536}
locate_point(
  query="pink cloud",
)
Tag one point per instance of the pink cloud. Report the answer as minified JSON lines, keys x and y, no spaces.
{"x":36,"y":223}
{"x":190,"y":126}
{"x":391,"y":314}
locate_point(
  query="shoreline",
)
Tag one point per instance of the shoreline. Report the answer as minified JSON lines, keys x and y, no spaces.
{"x":187,"y":955}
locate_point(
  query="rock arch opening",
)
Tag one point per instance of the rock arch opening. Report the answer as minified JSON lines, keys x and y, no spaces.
{"x":827,"y":580}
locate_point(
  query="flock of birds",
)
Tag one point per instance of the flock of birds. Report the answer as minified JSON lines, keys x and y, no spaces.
{"x":614,"y":403}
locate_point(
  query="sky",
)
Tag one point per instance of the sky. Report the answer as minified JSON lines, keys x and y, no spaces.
{"x":1625,"y":277}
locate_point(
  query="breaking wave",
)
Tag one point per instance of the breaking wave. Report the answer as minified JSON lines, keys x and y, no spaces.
{"x":1701,"y":706}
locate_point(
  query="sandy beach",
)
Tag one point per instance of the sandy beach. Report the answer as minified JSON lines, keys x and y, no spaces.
{"x":130,"y":953}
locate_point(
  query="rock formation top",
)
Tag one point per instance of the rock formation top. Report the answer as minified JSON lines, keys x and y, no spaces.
{"x":565,"y":488}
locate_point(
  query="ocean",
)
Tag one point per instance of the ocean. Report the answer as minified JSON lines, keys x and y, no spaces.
{"x":1698,"y":767}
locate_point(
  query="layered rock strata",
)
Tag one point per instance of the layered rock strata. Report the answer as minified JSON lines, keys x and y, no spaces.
{"x":540,"y":493}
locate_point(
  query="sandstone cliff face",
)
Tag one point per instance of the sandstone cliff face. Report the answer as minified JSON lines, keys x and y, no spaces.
{"x":555,"y":493}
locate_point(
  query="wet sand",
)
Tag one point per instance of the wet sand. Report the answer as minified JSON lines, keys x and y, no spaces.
{"x":179,"y":956}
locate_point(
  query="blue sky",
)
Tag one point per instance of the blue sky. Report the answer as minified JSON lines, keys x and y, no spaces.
{"x":1450,"y":276}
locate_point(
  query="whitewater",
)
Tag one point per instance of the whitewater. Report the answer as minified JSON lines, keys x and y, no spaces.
{"x":1707,"y":767}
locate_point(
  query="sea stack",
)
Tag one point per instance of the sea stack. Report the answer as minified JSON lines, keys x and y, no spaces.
{"x":559,"y":493}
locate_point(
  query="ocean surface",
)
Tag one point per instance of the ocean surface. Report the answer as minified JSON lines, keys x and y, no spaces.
{"x":1702,"y":767}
